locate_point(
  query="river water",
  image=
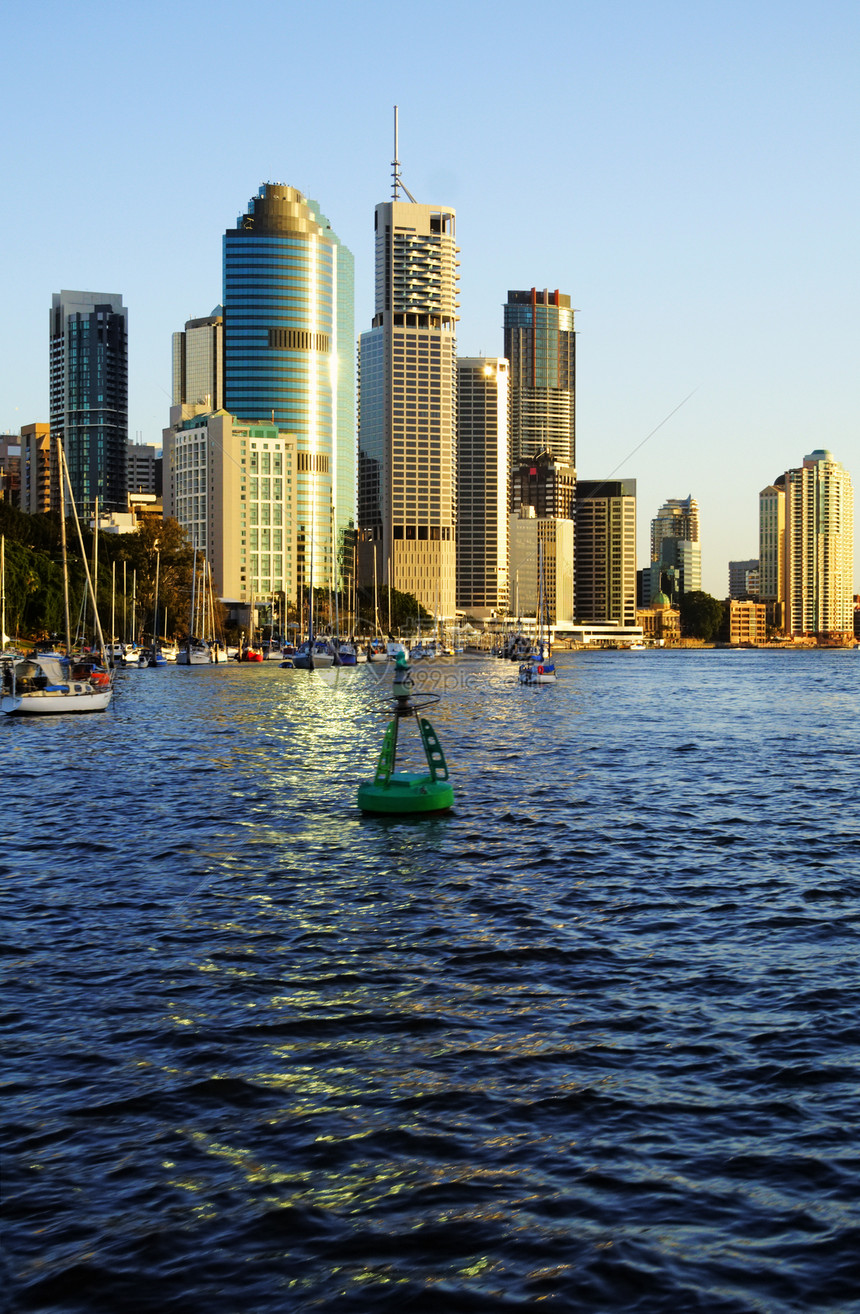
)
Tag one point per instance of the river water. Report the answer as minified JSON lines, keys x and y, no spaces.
{"x":590,"y":1041}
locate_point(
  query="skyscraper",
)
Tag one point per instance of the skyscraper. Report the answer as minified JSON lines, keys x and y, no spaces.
{"x":198,"y":362}
{"x":289,"y":361}
{"x":819,"y":548}
{"x":89,"y":394}
{"x":771,"y":542}
{"x":678,"y":517}
{"x":605,"y":551}
{"x":540,"y":343}
{"x":482,"y":485}
{"x":676,"y":552}
{"x":408,"y":406}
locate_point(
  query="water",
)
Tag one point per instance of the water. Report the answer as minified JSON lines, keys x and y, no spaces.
{"x":589,"y":1041}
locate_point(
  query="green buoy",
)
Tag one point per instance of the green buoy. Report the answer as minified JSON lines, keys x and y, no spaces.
{"x":393,"y":791}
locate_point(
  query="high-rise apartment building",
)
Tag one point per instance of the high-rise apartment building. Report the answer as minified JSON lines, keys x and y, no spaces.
{"x":233,"y":489}
{"x":678,"y":517}
{"x":198,"y":362}
{"x":40,"y":487}
{"x":482,"y":485}
{"x":771,"y":541}
{"x":676,"y":551}
{"x":89,"y":394}
{"x":289,"y":361}
{"x":540,"y":343}
{"x":819,"y":548}
{"x":407,"y":461}
{"x":605,"y":551}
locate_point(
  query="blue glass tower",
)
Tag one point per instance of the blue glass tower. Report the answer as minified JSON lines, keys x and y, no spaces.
{"x":89,"y":395}
{"x":289,"y":359}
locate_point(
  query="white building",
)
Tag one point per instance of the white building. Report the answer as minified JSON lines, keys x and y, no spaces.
{"x":819,"y":548}
{"x":232,"y":487}
{"x":407,"y":446}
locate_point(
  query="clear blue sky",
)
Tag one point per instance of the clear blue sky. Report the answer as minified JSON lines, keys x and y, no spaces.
{"x":687,"y":172}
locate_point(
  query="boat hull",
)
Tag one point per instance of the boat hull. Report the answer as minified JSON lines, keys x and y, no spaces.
{"x":50,"y":703}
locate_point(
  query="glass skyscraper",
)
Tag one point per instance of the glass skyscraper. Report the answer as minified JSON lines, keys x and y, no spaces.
{"x":289,"y":360}
{"x":89,"y":394}
{"x":540,"y":343}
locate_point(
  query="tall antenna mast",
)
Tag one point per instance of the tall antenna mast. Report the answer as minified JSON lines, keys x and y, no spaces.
{"x":396,"y":180}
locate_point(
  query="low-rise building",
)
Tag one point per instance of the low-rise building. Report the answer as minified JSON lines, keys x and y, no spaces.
{"x":747,"y":621}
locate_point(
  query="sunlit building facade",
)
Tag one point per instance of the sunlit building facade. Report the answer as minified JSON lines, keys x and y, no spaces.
{"x":482,"y":486}
{"x":540,"y":343}
{"x":407,"y":461}
{"x":40,"y":488}
{"x":541,"y":544}
{"x":678,"y":517}
{"x":289,"y":361}
{"x":605,"y":547}
{"x":819,"y":548}
{"x":198,"y":362}
{"x":232,"y":487}
{"x":771,"y":540}
{"x":89,"y":394}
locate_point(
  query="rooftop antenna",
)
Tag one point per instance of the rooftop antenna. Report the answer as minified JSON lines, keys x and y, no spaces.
{"x":397,"y":181}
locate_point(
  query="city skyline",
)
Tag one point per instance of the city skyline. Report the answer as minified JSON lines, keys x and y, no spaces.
{"x":700,"y":216}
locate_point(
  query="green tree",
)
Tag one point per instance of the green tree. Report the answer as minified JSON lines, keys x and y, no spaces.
{"x":702,"y":616}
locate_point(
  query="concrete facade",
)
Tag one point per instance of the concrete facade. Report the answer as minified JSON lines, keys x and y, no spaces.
{"x":482,"y":485}
{"x":407,"y":459}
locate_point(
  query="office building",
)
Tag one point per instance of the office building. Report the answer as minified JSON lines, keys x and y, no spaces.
{"x":232,"y":487}
{"x":540,"y":344}
{"x":482,"y":486}
{"x":547,"y":485}
{"x":605,"y":552}
{"x":198,"y":362}
{"x":744,"y":578}
{"x":819,"y":548}
{"x":289,"y":362}
{"x":89,"y":394}
{"x":144,"y":469}
{"x":407,"y":458}
{"x":546,"y":541}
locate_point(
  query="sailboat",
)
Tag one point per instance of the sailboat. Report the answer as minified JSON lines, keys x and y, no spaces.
{"x":538,"y":667}
{"x":46,"y":683}
{"x":250,"y":652}
{"x":154,"y":658}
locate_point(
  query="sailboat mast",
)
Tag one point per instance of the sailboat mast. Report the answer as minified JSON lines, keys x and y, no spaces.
{"x":63,"y":545}
{"x":375,"y":592}
{"x":193,"y":600}
{"x":95,"y":559}
{"x":155,"y":613}
{"x":101,"y":637}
